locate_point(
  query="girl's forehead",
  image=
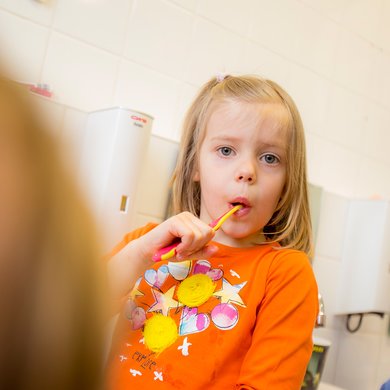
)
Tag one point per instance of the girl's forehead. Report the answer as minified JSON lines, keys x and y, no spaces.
{"x":271,"y":115}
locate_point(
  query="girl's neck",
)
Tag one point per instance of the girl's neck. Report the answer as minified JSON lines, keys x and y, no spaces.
{"x":245,"y":242}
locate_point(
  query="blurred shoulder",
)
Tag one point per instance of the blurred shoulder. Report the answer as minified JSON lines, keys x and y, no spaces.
{"x":128,"y":237}
{"x":137,"y":233}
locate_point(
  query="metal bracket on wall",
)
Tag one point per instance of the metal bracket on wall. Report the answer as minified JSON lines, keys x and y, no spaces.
{"x":359,"y":324}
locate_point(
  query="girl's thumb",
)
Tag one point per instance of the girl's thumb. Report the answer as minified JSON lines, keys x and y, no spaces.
{"x":205,"y":253}
{"x":209,"y":250}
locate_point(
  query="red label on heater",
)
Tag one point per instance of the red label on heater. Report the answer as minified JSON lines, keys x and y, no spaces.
{"x":138,"y":119}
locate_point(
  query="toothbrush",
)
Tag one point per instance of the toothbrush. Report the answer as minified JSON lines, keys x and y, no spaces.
{"x":170,"y":250}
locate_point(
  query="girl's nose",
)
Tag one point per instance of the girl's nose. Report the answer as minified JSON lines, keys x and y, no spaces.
{"x":246,"y":173}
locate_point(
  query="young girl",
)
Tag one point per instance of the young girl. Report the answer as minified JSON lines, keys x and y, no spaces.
{"x":235,"y":308}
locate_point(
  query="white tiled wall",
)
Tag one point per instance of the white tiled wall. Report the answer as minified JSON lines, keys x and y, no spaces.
{"x":80,"y":75}
{"x":158,"y":34}
{"x":333,"y":56}
{"x":149,"y":91}
{"x":22,"y":42}
{"x":100,"y":23}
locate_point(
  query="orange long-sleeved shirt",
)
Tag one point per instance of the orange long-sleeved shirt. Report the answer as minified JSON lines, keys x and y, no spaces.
{"x":253,"y":332}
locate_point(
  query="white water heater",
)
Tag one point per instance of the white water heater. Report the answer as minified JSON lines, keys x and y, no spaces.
{"x":114,"y":149}
{"x":365,"y":267}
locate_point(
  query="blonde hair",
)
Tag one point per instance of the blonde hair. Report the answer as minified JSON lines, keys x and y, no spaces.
{"x":290,"y":224}
{"x":51,"y":283}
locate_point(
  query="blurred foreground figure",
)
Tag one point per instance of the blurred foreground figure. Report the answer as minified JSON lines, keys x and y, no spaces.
{"x":51,"y":286}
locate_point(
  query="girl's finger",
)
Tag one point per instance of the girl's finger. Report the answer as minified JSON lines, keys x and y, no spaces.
{"x":188,"y":231}
{"x":200,"y":235}
{"x":196,"y":241}
{"x":205,"y":253}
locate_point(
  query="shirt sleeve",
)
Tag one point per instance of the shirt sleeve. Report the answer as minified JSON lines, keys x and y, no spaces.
{"x":117,"y":304}
{"x":133,"y":235}
{"x":282,"y":337}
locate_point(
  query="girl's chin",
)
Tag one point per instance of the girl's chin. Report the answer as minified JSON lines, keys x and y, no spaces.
{"x":241,"y":238}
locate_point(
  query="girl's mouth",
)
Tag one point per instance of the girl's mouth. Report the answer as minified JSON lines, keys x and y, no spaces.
{"x":245,"y":206}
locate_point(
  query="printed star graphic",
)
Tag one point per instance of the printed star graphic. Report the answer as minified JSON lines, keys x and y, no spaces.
{"x":229,"y":293}
{"x":164,"y":302}
{"x":135,"y":292}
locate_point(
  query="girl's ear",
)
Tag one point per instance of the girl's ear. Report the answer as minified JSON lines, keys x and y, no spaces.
{"x":195,"y":172}
{"x":196,"y":176}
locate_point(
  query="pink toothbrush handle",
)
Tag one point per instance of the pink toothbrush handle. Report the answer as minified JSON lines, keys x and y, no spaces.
{"x":166,"y":253}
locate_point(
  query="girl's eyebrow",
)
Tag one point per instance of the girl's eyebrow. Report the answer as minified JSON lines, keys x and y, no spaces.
{"x":229,"y":138}
{"x":279,"y":145}
{"x":224,"y":138}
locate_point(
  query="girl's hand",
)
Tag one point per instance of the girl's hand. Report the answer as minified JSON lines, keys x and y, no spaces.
{"x":192,"y":233}
{"x":125,"y":267}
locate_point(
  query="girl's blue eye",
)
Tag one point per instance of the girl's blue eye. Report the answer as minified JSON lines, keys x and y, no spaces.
{"x":225,"y":151}
{"x":270,"y":159}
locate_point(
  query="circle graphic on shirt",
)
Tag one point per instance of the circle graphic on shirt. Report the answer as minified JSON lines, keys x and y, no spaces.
{"x":159,"y":332}
{"x":224,"y":316}
{"x":195,"y":290}
{"x":128,"y":308}
{"x":138,"y":318}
